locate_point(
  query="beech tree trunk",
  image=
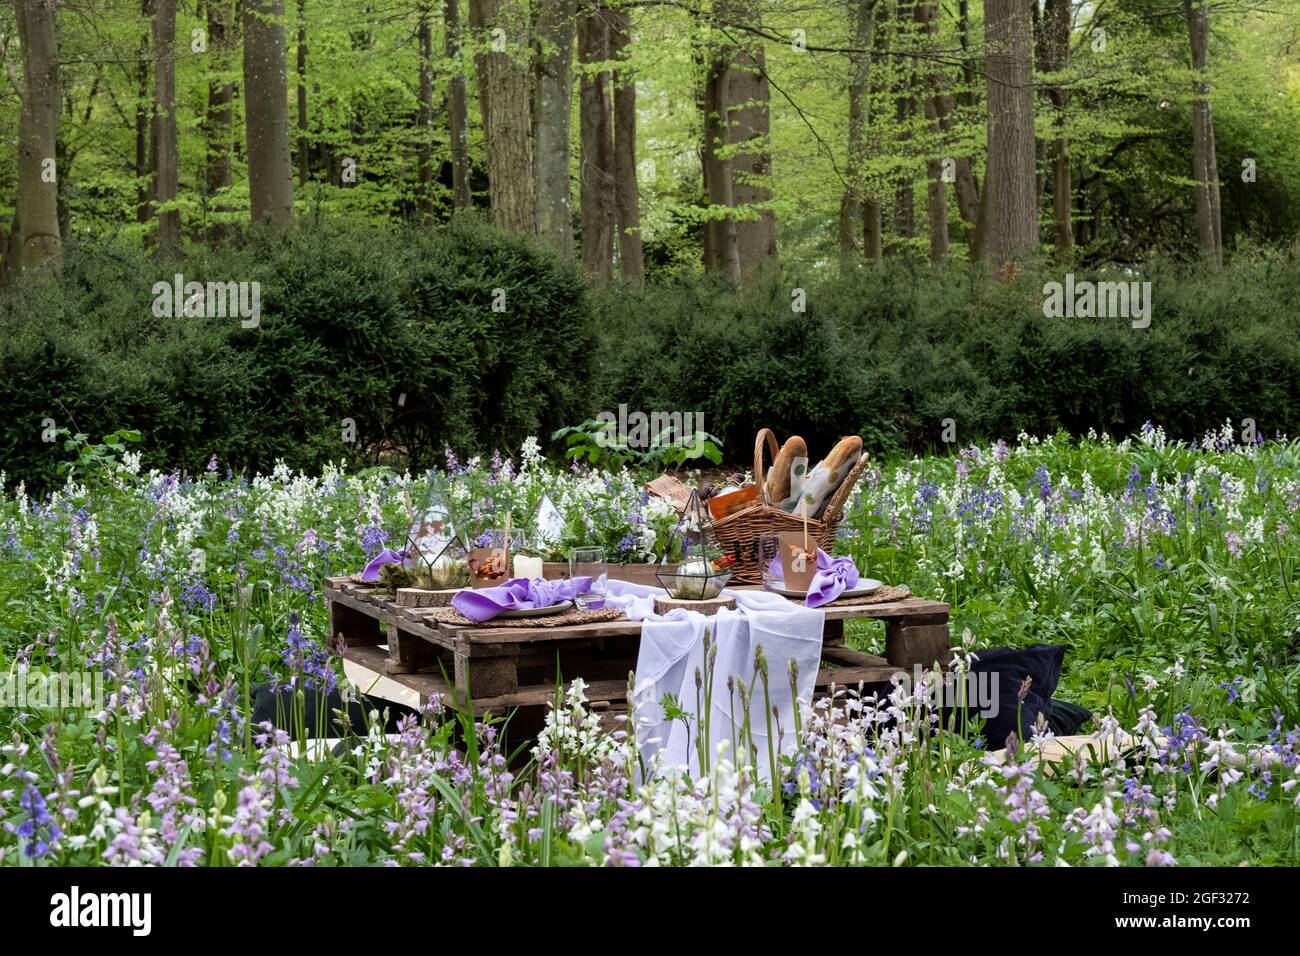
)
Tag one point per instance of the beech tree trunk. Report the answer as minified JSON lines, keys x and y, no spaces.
{"x":304,"y":147}
{"x":143,"y":125}
{"x":721,"y":247}
{"x":853,"y":233}
{"x":220,"y":113}
{"x":166,"y":160}
{"x":40,"y":245}
{"x":904,"y":110}
{"x":551,"y":110}
{"x":1205,"y":165}
{"x":737,"y":119}
{"x":968,"y":195}
{"x":424,"y":149}
{"x":457,"y":109}
{"x":505,"y":103}
{"x":595,"y":122}
{"x":1009,"y":227}
{"x":751,"y":167}
{"x":266,"y":114}
{"x":1056,"y":44}
{"x":627,"y":200}
{"x":926,"y":15}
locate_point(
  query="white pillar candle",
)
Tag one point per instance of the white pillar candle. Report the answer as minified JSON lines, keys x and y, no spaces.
{"x":527,"y":566}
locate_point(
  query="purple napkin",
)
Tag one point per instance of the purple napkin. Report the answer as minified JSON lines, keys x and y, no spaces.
{"x":834,"y":576}
{"x":517,"y":594}
{"x":387,"y":556}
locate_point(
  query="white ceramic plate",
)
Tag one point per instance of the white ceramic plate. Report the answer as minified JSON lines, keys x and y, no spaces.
{"x":865,"y":586}
{"x":537,"y":611}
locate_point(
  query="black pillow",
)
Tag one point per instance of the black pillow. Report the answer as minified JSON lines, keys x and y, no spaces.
{"x":279,"y":708}
{"x":1039,"y":662}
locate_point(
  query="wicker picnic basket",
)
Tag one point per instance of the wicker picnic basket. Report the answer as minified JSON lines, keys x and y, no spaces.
{"x":739,"y":531}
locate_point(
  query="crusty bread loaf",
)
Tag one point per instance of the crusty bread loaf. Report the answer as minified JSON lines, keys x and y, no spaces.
{"x":842,"y":457}
{"x":820,"y":485}
{"x":777,"y":486}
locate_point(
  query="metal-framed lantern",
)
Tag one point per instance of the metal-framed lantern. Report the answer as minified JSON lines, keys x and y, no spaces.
{"x":702,"y":569}
{"x":436,"y":552}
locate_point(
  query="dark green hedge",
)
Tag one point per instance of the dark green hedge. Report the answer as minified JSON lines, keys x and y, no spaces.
{"x":352,"y":320}
{"x":891,"y":353}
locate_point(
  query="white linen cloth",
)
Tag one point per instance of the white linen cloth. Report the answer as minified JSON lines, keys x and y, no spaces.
{"x":672,"y":649}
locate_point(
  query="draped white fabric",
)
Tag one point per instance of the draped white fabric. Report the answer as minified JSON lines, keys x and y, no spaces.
{"x":672,"y":651}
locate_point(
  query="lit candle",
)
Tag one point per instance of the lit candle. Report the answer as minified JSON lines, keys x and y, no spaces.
{"x":527,"y":566}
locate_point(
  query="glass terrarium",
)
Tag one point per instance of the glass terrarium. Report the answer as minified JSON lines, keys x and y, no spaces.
{"x":436,"y":553}
{"x":702,"y":567}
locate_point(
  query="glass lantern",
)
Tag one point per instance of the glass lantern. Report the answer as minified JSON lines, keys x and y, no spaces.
{"x":702,"y":567}
{"x":436,"y":553}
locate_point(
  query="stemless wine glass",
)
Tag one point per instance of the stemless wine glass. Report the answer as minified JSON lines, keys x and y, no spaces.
{"x":589,"y":563}
{"x":766,"y":548}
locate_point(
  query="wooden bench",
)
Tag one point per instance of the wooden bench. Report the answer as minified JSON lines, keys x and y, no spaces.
{"x":405,"y":655}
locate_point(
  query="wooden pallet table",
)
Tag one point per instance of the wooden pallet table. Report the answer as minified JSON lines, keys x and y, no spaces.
{"x":403,"y":654}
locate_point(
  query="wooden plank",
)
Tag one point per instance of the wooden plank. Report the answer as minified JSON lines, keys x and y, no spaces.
{"x":852,"y":676}
{"x":408,"y":652}
{"x":925,"y":644}
{"x":353,"y":627}
{"x":604,"y":691}
{"x":422,"y":597}
{"x":364,"y":668}
{"x":392,"y":614}
{"x":846,"y":655}
{"x":486,"y":677}
{"x":525,"y":635}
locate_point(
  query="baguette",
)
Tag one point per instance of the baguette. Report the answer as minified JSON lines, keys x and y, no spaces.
{"x":777,"y":487}
{"x":822,"y":480}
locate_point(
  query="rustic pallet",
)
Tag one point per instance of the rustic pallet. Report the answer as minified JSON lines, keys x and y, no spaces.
{"x":410,"y":655}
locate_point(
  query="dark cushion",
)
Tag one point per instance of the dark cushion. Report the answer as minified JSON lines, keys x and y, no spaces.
{"x":1041,"y":663}
{"x":280,"y":709}
{"x":1002,"y":713}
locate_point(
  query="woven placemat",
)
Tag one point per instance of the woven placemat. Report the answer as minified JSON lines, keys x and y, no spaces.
{"x":882,"y":595}
{"x":449,"y":615}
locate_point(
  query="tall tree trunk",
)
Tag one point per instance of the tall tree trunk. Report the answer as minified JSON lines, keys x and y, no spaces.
{"x":627,"y":200}
{"x":143,"y":125}
{"x":595,"y":131}
{"x":1205,"y":166}
{"x":736,"y":117}
{"x":1056,"y":35}
{"x":722,"y":248}
{"x":1010,"y":210}
{"x":904,"y":111}
{"x":873,"y":226}
{"x":166,"y":159}
{"x":40,"y":244}
{"x":851,"y":206}
{"x":457,"y":109}
{"x":505,"y":103}
{"x":551,"y":111}
{"x":220,"y":113}
{"x":266,"y":114}
{"x":926,"y":15}
{"x":424,"y":149}
{"x":304,"y":146}
{"x":751,"y":167}
{"x":968,"y":194}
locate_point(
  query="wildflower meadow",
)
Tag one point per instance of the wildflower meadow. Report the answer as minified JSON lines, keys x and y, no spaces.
{"x":1167,"y":568}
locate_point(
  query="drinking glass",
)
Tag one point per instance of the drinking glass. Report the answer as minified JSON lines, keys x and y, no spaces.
{"x":589,"y":563}
{"x":766,"y":548}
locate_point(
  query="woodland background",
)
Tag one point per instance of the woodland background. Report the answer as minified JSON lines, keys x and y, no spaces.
{"x":852,"y":204}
